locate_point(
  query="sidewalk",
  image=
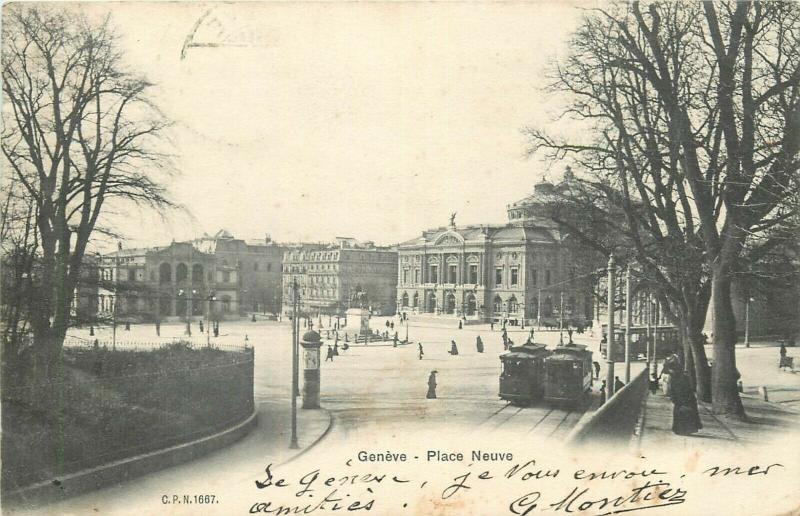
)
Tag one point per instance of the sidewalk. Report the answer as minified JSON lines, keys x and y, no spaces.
{"x":765,"y":422}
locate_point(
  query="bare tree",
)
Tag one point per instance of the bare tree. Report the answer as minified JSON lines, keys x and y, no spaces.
{"x":79,"y":133}
{"x":695,"y":116}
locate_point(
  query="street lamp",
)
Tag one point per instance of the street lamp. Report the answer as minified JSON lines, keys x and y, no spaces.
{"x":211,"y":298}
{"x":747,"y":321}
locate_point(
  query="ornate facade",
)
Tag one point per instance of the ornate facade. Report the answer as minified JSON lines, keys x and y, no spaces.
{"x":331,"y":276}
{"x":525,"y":269}
{"x":218,"y":274}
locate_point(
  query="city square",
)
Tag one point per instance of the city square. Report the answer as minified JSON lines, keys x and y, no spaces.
{"x":409,"y":258}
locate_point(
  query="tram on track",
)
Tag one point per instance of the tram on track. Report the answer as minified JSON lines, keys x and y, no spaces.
{"x":664,"y":341}
{"x":568,"y":374}
{"x":522,"y":374}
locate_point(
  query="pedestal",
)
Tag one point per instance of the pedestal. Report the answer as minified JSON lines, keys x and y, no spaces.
{"x":358,"y":320}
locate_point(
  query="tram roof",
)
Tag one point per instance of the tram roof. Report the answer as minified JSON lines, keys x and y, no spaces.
{"x":525,"y":350}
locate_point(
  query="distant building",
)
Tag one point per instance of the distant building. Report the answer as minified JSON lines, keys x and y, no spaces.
{"x":219,"y":275}
{"x":336,"y":276}
{"x":526,"y":269}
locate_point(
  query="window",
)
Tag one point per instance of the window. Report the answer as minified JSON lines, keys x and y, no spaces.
{"x":226,"y":276}
{"x":498,"y":276}
{"x":405,"y":276}
{"x":416,"y":275}
{"x":547,"y":278}
{"x":514,"y":276}
{"x":473,"y":274}
{"x":452,"y":273}
{"x":534,"y":277}
{"x":434,"y":275}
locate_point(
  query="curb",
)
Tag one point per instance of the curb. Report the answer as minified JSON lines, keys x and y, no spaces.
{"x":316,"y":441}
{"x":125,"y":469}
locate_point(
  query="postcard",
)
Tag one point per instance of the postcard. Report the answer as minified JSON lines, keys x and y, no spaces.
{"x":400,"y":258}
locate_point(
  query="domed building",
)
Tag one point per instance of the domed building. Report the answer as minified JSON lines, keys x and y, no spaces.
{"x":521,"y":271}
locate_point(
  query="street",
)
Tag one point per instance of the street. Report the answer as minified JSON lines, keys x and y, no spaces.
{"x":376,"y":397}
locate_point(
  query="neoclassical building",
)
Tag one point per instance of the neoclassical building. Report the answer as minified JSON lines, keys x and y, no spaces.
{"x":525,"y":269}
{"x":217,"y":273}
{"x":330,"y":275}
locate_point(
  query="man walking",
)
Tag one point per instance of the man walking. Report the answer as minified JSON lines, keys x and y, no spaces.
{"x":421,"y":352}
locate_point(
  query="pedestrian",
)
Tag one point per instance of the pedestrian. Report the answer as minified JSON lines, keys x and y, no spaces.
{"x":346,"y":338}
{"x":127,"y":326}
{"x":329,"y":354}
{"x":654,"y":383}
{"x":505,"y":339}
{"x":421,"y":352}
{"x":432,"y":386}
{"x":479,"y":344}
{"x":387,"y":323}
{"x":783,"y":362}
{"x":685,"y":415}
{"x":391,"y":325}
{"x":158,"y":328}
{"x":395,"y":340}
{"x":91,"y":330}
{"x":460,"y":326}
{"x":596,"y":370}
{"x":336,"y":349}
{"x":618,"y":384}
{"x":216,"y":330}
{"x":201,"y":326}
{"x":531,"y":336}
{"x":491,"y":325}
{"x":603,"y":393}
{"x":569,"y":332}
{"x":453,"y":348}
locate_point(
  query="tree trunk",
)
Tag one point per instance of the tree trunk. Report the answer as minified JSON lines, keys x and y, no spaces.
{"x":702,"y":370}
{"x":725,"y":375}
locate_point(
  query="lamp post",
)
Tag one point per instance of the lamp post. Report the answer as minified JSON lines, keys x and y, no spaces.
{"x":295,"y":366}
{"x":610,"y":337}
{"x":628,"y":305}
{"x":747,"y":321}
{"x":211,"y":298}
{"x":113,"y":321}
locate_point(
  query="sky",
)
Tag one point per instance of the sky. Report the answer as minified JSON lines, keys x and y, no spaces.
{"x":308,"y":121}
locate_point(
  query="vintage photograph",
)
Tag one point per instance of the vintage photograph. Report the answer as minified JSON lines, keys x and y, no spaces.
{"x":400,"y":258}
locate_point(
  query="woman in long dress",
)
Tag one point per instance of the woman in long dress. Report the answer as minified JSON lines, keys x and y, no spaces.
{"x":685,"y":415}
{"x":453,"y":348}
{"x":479,"y":344}
{"x":432,"y":386}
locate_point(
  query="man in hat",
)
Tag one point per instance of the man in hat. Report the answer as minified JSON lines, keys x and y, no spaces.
{"x":432,"y":386}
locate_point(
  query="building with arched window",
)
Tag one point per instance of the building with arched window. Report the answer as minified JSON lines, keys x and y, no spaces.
{"x":497,"y":271}
{"x":333,"y":277}
{"x":216,"y":274}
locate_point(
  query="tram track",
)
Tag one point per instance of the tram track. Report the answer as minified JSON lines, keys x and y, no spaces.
{"x":553,"y":432}
{"x":547,"y":414}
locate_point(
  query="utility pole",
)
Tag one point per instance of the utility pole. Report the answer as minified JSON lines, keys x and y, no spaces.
{"x":295,"y":340}
{"x":610,"y":337}
{"x":628,"y":306}
{"x":561,"y":318}
{"x":747,"y":321}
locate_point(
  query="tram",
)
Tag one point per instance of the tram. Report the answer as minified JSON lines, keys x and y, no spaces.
{"x":664,"y":339}
{"x":568,"y":374}
{"x":522,"y":374}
